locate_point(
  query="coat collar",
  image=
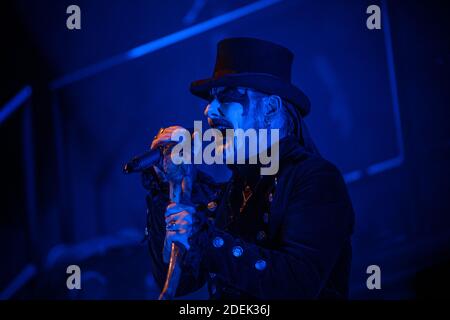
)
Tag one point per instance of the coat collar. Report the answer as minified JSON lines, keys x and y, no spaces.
{"x":289,"y":149}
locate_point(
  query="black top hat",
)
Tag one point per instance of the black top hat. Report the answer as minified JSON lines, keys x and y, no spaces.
{"x":256,"y":64}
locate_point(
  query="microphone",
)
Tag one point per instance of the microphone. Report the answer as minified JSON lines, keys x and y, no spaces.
{"x":143,"y":161}
{"x":146,"y":160}
{"x":177,"y":192}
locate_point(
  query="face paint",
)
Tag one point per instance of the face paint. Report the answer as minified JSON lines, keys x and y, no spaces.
{"x":230,"y":95}
{"x":232,"y":108}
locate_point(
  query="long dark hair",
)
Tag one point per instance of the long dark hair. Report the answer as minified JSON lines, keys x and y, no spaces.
{"x":299,"y":129}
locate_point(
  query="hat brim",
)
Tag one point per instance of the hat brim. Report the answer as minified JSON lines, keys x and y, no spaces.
{"x":266,"y":83}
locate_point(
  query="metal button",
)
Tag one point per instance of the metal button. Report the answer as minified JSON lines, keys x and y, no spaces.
{"x":146,"y":231}
{"x":237,"y":251}
{"x":260,"y":265}
{"x":212,"y":206}
{"x":218,"y":242}
{"x":261,"y":235}
{"x":270,"y":197}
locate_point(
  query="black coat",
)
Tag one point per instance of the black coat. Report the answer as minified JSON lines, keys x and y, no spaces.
{"x":291,"y":240}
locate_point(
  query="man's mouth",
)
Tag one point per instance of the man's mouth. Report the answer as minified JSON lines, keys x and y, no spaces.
{"x":220,"y":124}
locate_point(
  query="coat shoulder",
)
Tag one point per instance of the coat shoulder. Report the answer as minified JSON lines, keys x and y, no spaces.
{"x":314,"y":179}
{"x":309,"y":165}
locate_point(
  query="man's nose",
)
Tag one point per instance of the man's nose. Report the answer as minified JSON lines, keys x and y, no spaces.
{"x":212,"y":110}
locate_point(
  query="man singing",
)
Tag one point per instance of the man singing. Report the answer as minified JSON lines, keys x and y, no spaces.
{"x":281,"y":236}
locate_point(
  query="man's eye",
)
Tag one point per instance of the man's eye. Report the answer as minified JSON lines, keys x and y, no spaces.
{"x":226,"y":97}
{"x":222,"y":99}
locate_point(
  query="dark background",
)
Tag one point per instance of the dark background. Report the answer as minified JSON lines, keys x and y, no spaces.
{"x":380,"y":112}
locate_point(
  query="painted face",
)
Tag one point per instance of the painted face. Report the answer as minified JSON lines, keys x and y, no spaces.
{"x":231,"y":108}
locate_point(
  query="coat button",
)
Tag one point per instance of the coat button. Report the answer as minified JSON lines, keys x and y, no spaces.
{"x":237,"y":251}
{"x":212,"y":206}
{"x":260,"y":265}
{"x":261,"y":235}
{"x":218,"y":242}
{"x":270,"y":197}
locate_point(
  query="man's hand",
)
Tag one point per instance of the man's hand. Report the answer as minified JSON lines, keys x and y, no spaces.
{"x":179,"y":217}
{"x":180,"y":176}
{"x":164,"y":136}
{"x":179,"y":222}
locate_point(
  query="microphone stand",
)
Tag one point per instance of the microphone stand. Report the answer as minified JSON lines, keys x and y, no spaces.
{"x":180,"y":190}
{"x":173,"y":273}
{"x":177,"y":250}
